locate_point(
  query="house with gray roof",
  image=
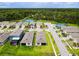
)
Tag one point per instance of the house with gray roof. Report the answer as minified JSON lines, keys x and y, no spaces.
{"x":40,"y":39}
{"x":4,"y":24}
{"x":4,"y":37}
{"x":11,"y":25}
{"x":75,"y":38}
{"x":16,"y":36}
{"x":18,"y":24}
{"x":27,"y":39}
{"x":70,"y":29}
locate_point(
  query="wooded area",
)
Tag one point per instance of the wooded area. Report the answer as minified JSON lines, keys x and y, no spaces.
{"x":70,"y":15}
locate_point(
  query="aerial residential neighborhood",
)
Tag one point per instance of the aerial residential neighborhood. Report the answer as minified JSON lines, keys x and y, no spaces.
{"x":39,"y":31}
{"x":62,"y":38}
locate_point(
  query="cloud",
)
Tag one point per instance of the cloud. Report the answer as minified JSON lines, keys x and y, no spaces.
{"x":39,"y":4}
{"x":3,"y":7}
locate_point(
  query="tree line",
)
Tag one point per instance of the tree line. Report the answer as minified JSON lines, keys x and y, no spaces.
{"x":67,"y":15}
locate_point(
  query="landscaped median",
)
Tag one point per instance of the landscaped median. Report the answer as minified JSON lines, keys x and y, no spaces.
{"x":54,"y":44}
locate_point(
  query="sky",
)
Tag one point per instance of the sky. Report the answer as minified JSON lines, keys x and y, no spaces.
{"x":39,"y":4}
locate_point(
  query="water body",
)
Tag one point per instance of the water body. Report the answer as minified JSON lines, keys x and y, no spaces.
{"x":29,"y":20}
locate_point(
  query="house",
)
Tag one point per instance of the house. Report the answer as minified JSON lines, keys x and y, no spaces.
{"x":27,"y":39}
{"x":24,"y":25}
{"x":67,"y":31}
{"x":75,"y":38}
{"x":11,"y":25}
{"x":40,"y":39}
{"x":16,"y":36}
{"x":70,"y":29}
{"x":38,"y":24}
{"x":4,"y":37}
{"x":18,"y":24}
{"x":32,"y":25}
{"x":4,"y":24}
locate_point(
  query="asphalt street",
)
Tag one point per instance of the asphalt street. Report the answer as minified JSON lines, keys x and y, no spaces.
{"x":61,"y":46}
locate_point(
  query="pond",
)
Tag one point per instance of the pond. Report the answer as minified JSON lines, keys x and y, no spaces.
{"x":29,"y":20}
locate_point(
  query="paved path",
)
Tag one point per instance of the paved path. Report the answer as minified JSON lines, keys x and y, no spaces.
{"x":52,"y":44}
{"x":61,"y":46}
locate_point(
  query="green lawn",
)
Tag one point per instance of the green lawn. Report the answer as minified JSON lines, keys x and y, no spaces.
{"x":56,"y":48}
{"x":42,"y":21}
{"x":53,"y":22}
{"x":74,"y":25}
{"x":76,"y":51}
{"x":9,"y":50}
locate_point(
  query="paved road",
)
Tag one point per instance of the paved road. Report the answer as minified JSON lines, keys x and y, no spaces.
{"x":61,"y":46}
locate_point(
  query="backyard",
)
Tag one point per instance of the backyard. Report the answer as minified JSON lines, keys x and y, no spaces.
{"x":10,"y":50}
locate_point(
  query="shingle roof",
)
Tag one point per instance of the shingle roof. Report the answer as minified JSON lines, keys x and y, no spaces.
{"x":4,"y":36}
{"x":18,"y":24}
{"x":28,"y":37}
{"x":76,"y":40}
{"x":71,"y":29}
{"x":16,"y":32}
{"x":75,"y":35}
{"x":40,"y":37}
{"x":7,"y":24}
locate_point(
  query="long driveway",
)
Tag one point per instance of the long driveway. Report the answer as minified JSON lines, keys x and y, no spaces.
{"x":61,"y":46}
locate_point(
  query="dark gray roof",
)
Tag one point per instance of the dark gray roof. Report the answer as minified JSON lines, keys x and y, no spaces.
{"x":4,"y":36}
{"x":40,"y":37}
{"x":75,"y":35}
{"x":71,"y":29}
{"x":1,"y":34}
{"x":12,"y":23}
{"x":28,"y":37}
{"x":76,"y":40}
{"x":19,"y":23}
{"x":16,"y":32}
{"x":7,"y":24}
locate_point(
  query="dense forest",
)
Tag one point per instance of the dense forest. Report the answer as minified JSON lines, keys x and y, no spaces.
{"x":68,"y":15}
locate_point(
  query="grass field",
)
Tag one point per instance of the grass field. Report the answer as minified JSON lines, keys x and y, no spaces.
{"x":56,"y":48}
{"x":74,"y":25}
{"x":41,"y":21}
{"x":9,"y":50}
